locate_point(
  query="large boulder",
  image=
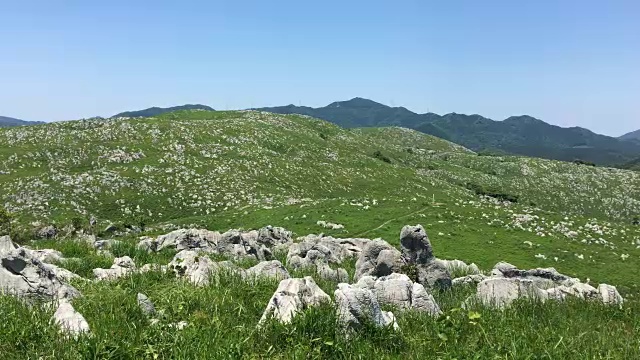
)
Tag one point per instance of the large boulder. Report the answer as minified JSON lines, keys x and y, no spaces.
{"x":359,"y":304}
{"x":197,"y":267}
{"x":398,"y":290}
{"x":610,"y":295}
{"x":543,"y":277}
{"x":121,"y":267}
{"x":70,"y":321}
{"x":28,"y":277}
{"x":501,"y":292}
{"x":415,"y":245}
{"x":433,"y":275}
{"x":378,"y":258}
{"x":293,"y":296}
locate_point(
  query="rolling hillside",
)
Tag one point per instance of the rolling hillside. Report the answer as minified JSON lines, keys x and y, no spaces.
{"x":154,"y":111}
{"x":95,"y":189}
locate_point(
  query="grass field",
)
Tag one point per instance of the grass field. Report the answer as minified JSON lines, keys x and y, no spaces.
{"x":224,"y":170}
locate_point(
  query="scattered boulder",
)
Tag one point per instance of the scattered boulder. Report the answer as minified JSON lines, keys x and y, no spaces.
{"x":105,"y":244}
{"x":121,"y":267}
{"x":378,"y":258}
{"x":417,"y":252}
{"x":270,"y":269}
{"x":70,"y":321}
{"x":501,"y":292}
{"x":543,"y":277}
{"x":28,"y":277}
{"x":398,"y":290}
{"x":610,"y":295}
{"x":359,"y":304}
{"x":293,"y":296}
{"x":415,"y":245}
{"x":198,"y":267}
{"x":146,"y":305}
{"x":47,"y":232}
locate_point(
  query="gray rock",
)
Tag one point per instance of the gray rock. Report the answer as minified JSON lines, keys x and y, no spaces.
{"x":434,"y":275}
{"x":27,"y":277}
{"x":70,"y":321}
{"x":6,"y":245}
{"x":198,"y":267}
{"x":399,"y":291}
{"x":146,"y":305}
{"x":327,"y":273}
{"x":359,"y":304}
{"x":47,"y":232}
{"x":378,"y":258}
{"x":610,"y":295}
{"x":468,"y":280}
{"x":501,"y":292}
{"x":293,"y":296}
{"x":273,"y":236}
{"x":121,"y":267}
{"x":415,"y":245}
{"x":147,"y":244}
{"x":105,"y":244}
{"x":46,"y":255}
{"x":543,"y":277}
{"x":270,"y":269}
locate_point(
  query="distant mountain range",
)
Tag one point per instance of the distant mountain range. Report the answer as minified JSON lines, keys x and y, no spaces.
{"x":6,"y":121}
{"x":522,"y":135}
{"x":157,"y":110}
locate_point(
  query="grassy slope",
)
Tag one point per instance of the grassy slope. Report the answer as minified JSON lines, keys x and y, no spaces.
{"x":227,"y":170}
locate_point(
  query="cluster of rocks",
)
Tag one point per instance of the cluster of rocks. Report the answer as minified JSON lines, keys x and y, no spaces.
{"x":256,"y":244}
{"x":384,"y":275}
{"x":507,"y":283}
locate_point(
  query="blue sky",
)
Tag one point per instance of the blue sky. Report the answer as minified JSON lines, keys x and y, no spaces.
{"x":570,"y":63}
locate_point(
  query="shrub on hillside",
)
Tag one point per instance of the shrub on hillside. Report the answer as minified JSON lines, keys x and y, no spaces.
{"x":379,"y":155}
{"x":582,"y":162}
{"x":481,"y":190}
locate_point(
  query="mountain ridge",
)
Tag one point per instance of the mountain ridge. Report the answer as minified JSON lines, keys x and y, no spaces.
{"x":6,"y":121}
{"x":520,"y":134}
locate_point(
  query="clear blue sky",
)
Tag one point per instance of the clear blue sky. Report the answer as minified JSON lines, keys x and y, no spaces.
{"x":566,"y":62}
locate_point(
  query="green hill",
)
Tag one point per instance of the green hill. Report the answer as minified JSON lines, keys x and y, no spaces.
{"x":522,"y":135}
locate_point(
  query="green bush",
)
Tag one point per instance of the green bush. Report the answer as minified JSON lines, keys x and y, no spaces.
{"x":5,"y":221}
{"x":379,"y":155}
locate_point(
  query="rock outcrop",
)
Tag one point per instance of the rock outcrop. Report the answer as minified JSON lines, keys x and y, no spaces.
{"x":417,"y":252}
{"x":25,"y":276}
{"x":255,"y":244}
{"x":197,"y":267}
{"x":293,"y":296}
